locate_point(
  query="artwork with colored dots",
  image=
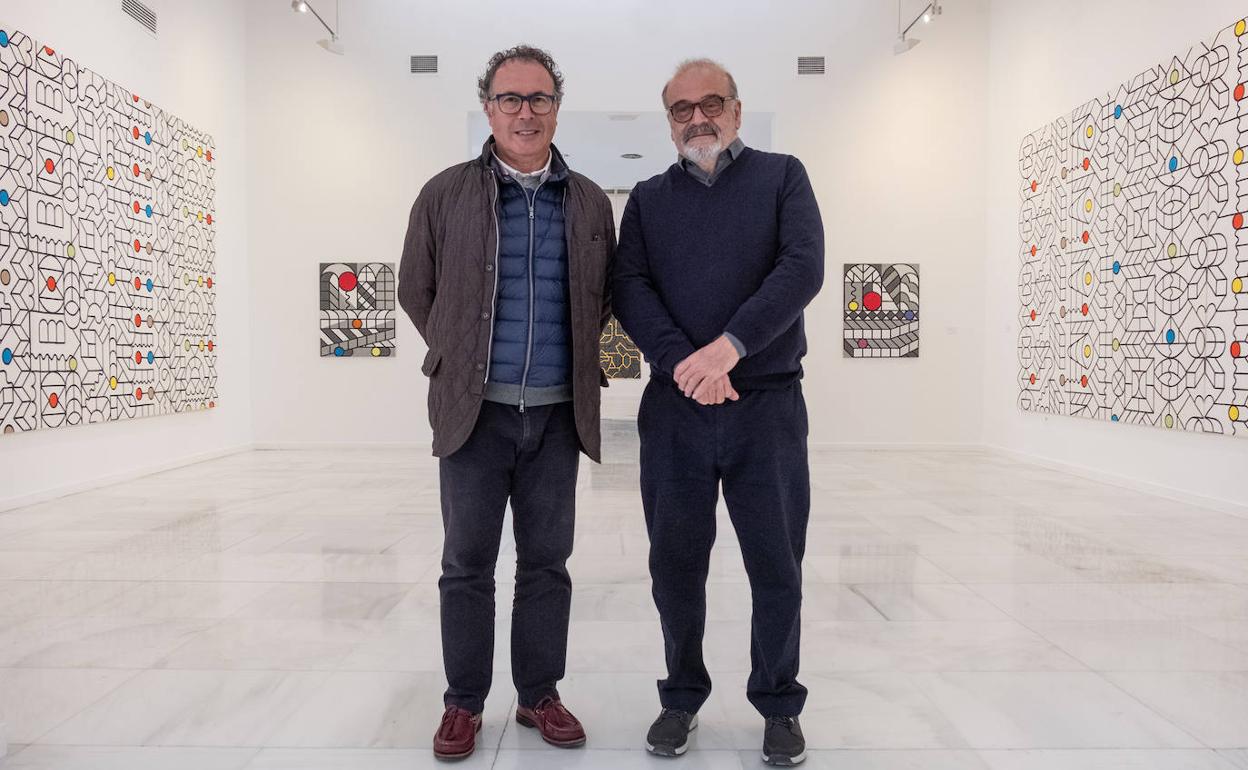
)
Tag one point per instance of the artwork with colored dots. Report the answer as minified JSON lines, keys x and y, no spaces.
{"x":1133,"y":260}
{"x":357,"y":309}
{"x":107,"y":297}
{"x":881,"y":311}
{"x":618,"y":354}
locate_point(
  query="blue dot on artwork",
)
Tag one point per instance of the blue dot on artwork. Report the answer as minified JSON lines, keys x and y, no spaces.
{"x":1170,"y":336}
{"x":1174,"y":163}
{"x":149,"y":284}
{"x":909,"y":315}
{"x":1118,"y":111}
{"x":4,"y":197}
{"x":4,"y":39}
{"x":147,"y":137}
{"x":149,"y":209}
{"x":151,"y":356}
{"x":1114,"y":418}
{"x":1117,"y":267}
{"x":338,"y":351}
{"x":7,"y":356}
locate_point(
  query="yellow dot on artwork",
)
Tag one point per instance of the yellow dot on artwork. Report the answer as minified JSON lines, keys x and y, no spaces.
{"x":1087,"y":279}
{"x":200,"y":152}
{"x":111,"y":173}
{"x":1169,"y":421}
{"x":201,"y":216}
{"x":1237,"y":285}
{"x":112,"y":383}
{"x":73,"y":364}
{"x":1238,"y":157}
{"x":1174,"y":78}
{"x":201,"y":346}
{"x":1087,"y":205}
{"x":1116,"y":343}
{"x":112,"y":279}
{"x":1240,"y":26}
{"x":1233,"y":413}
{"x":376,"y":352}
{"x":200,"y":281}
{"x":853,"y":305}
{"x":69,"y":137}
{"x":1117,"y":189}
{"x":1087,"y":351}
{"x":1172,"y":250}
{"x":70,"y":251}
{"x":1089,"y":132}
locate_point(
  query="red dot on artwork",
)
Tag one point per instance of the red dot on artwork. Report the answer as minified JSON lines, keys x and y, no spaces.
{"x":138,"y":357}
{"x":138,"y":284}
{"x":1033,"y":250}
{"x":138,"y":320}
{"x":208,"y":155}
{"x":1084,"y":380}
{"x":1086,"y":163}
{"x":871,"y":301}
{"x":136,"y":207}
{"x":1236,"y":350}
{"x":49,"y":166}
{"x":135,"y":97}
{"x":135,"y":169}
{"x":138,"y":393}
{"x":51,"y":283}
{"x":48,"y":51}
{"x":1033,"y":315}
{"x":1034,"y":185}
{"x":1239,"y":92}
{"x":209,"y":218}
{"x":1084,"y":309}
{"x":209,"y":283}
{"x":212,"y":404}
{"x":347,"y":281}
{"x":137,"y":245}
{"x":862,"y":344}
{"x":1032,"y":379}
{"x":135,"y":132}
{"x":53,"y":400}
{"x":210,"y":346}
{"x":1237,"y":221}
{"x":1085,"y":236}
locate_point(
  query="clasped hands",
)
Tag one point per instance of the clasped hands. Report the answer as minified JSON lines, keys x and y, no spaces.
{"x":703,"y":376}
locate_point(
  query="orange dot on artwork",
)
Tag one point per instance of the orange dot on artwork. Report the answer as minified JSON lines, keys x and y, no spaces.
{"x":1084,"y":380}
{"x":135,"y":132}
{"x":137,"y":245}
{"x":1239,"y":92}
{"x":1032,"y":379}
{"x":138,"y":284}
{"x":53,"y":400}
{"x":210,"y":346}
{"x":1086,"y":163}
{"x":356,"y":324}
{"x":1084,"y":309}
{"x":1236,"y":349}
{"x":1085,"y":236}
{"x":209,"y":283}
{"x":138,"y":357}
{"x":1033,"y":250}
{"x":138,"y":320}
{"x":1033,"y":315}
{"x":1034,"y":185}
{"x":208,"y":155}
{"x":135,"y":169}
{"x":209,"y":219}
{"x":136,"y":207}
{"x":1237,"y":221}
{"x":48,"y":51}
{"x":51,"y":283}
{"x":49,"y":166}
{"x":138,"y":393}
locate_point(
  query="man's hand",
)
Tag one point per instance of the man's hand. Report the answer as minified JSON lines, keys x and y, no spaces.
{"x":715,"y":392}
{"x":708,"y":364}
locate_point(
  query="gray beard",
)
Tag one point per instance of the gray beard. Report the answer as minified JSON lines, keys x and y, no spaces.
{"x":705,"y":154}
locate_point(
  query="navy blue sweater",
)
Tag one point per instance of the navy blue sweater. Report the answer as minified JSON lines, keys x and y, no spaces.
{"x":743,"y":256}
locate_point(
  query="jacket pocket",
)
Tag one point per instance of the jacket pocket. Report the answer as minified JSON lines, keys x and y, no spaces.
{"x":432,"y":360}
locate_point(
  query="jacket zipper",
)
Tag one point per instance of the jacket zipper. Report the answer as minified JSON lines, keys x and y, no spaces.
{"x":489,"y":348}
{"x":528,"y":349}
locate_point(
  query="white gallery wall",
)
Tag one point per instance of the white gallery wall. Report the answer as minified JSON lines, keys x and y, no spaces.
{"x":194,"y":70}
{"x":1046,"y":59}
{"x":894,"y":147}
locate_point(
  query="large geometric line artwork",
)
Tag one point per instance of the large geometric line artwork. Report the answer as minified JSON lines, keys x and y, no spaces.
{"x":107,"y":303}
{"x":357,"y":309}
{"x":1133,"y":274}
{"x":881,"y":311}
{"x":618,"y":354}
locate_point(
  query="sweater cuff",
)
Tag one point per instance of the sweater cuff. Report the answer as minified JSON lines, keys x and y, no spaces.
{"x":736,"y":343}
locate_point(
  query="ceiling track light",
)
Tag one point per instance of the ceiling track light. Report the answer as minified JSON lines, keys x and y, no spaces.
{"x":331,"y":43}
{"x":904,"y":43}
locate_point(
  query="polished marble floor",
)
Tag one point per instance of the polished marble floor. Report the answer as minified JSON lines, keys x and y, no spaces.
{"x":279,"y":609}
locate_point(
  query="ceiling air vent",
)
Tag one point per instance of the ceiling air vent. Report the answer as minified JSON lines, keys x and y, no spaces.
{"x":424,"y":65}
{"x":140,"y":13}
{"x":810,"y":65}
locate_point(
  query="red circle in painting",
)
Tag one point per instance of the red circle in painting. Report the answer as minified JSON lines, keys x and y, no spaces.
{"x":208,"y":155}
{"x":135,"y":97}
{"x":51,"y":283}
{"x":862,"y":344}
{"x":347,"y":281}
{"x":1236,"y":349}
{"x":208,"y":218}
{"x":49,"y":166}
{"x":1033,"y":250}
{"x":137,"y":246}
{"x":1085,"y":236}
{"x":209,"y":283}
{"x":48,"y":51}
{"x":1237,"y":221}
{"x":138,"y":394}
{"x":135,"y":132}
{"x":135,"y":169}
{"x":138,"y":284}
{"x":1033,"y":379}
{"x":136,"y":207}
{"x":1239,"y":92}
{"x":1084,"y":309}
{"x":210,"y":346}
{"x":138,"y":357}
{"x":53,"y":400}
{"x":1086,"y":163}
{"x":1033,"y":315}
{"x":1034,"y":185}
{"x":1084,"y":380}
{"x":138,"y":320}
{"x":871,"y":301}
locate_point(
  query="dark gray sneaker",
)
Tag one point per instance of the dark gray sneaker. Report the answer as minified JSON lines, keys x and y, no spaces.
{"x":783,"y":742}
{"x":669,"y":735}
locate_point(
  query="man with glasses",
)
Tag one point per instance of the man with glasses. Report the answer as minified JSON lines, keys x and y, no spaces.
{"x":718,"y":256}
{"x":504,"y":274}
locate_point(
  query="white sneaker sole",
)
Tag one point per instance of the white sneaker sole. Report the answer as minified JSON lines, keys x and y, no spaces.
{"x":681,"y":749}
{"x":788,"y":761}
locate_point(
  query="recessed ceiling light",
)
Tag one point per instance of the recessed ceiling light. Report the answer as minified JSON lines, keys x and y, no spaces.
{"x":630,"y":156}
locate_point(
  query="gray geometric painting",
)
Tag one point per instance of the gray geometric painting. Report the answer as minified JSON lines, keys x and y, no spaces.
{"x":357,"y":309}
{"x":107,"y":296}
{"x":881,"y":311}
{"x":1133,"y":251}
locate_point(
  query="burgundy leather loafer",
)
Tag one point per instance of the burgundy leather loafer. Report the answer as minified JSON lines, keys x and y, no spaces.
{"x":555,"y":723}
{"x":456,"y":737}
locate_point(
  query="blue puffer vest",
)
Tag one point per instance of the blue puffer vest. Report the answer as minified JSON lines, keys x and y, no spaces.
{"x":531,"y":354}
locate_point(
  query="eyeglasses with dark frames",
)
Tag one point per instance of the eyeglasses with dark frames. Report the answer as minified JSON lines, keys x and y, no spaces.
{"x":712,"y":107}
{"x":511,"y":104}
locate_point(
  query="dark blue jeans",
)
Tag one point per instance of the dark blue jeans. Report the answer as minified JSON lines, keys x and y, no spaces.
{"x":757,"y":448}
{"x":529,"y":458}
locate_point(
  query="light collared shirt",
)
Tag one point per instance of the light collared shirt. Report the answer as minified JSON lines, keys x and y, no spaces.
{"x":528,"y":180}
{"x":730,"y":153}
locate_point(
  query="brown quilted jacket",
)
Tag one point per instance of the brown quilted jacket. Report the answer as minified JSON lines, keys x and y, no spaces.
{"x":447,"y":284}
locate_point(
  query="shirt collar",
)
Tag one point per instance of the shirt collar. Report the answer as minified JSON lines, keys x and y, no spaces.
{"x":541,"y":173}
{"x":726,"y":156}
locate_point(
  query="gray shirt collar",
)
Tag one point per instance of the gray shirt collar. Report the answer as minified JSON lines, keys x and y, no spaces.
{"x":730,"y":153}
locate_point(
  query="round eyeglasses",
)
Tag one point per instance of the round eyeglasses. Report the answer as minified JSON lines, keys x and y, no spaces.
{"x":712,"y":107}
{"x":539,"y":103}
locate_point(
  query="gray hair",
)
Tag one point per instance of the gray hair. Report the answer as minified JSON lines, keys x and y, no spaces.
{"x":693,"y":64}
{"x":521,"y":52}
